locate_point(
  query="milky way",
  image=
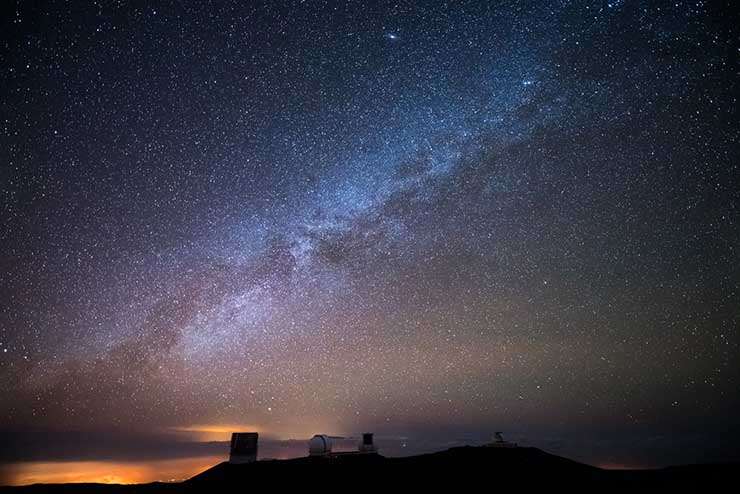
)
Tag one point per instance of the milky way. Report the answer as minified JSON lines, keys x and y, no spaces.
{"x":328,"y":217}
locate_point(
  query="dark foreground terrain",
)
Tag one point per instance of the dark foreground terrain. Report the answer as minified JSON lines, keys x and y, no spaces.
{"x":474,"y":468}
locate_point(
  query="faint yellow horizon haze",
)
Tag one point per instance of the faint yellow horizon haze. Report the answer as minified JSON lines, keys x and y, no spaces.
{"x":279,"y":432}
{"x":214,"y":432}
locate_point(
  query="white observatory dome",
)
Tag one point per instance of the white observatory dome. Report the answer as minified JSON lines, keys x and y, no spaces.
{"x":319,"y":445}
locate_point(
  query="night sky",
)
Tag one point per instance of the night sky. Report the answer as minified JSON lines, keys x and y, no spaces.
{"x":438,"y":219}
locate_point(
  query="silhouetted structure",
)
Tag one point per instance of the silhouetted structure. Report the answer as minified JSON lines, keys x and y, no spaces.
{"x":367,"y":445}
{"x":500,"y":443}
{"x":243,"y":447}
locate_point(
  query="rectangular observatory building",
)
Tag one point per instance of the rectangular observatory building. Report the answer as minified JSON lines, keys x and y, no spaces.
{"x":243,"y":447}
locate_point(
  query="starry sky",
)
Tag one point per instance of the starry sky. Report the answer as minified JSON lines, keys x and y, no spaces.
{"x":419,"y":218}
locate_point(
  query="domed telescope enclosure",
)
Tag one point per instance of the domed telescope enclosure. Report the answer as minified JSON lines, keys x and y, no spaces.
{"x":243,"y":447}
{"x":320,"y":445}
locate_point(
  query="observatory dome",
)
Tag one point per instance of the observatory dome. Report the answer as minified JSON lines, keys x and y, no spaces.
{"x":319,"y":445}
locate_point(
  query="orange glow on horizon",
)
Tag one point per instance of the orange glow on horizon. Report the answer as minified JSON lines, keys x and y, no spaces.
{"x":215,"y":432}
{"x":105,"y":472}
{"x":222,"y":432}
